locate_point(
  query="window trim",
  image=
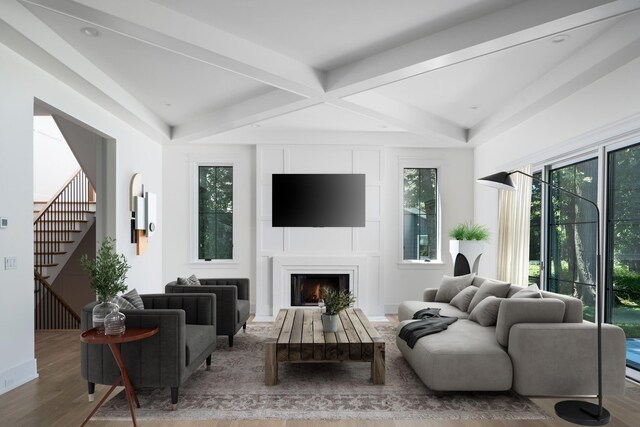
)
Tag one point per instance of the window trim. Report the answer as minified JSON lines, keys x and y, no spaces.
{"x":194,"y":177}
{"x":407,"y":163}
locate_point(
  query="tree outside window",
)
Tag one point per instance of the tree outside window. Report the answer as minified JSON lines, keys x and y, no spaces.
{"x":215,"y":212}
{"x":420,"y":214}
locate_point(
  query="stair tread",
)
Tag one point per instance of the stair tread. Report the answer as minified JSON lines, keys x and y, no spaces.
{"x":53,"y":241}
{"x":63,"y":220}
{"x":52,"y":253}
{"x":46,"y":265}
{"x":57,"y":231}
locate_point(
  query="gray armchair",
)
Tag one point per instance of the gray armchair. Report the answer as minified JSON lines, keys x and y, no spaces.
{"x":186,"y":338}
{"x":232,"y":302}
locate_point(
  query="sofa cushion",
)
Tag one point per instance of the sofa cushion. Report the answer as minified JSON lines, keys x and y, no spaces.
{"x":133,"y":298}
{"x":450,"y":286}
{"x":572,"y":306}
{"x":197,"y":339}
{"x":406,"y":309}
{"x":188,"y":281}
{"x":466,"y":357}
{"x":531,"y":291}
{"x":486,"y":312}
{"x":464,"y":297}
{"x":123,"y":304}
{"x":489,"y":288}
{"x":243,"y":310}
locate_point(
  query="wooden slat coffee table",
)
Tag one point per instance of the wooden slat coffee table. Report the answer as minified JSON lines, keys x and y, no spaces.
{"x":297,"y":336}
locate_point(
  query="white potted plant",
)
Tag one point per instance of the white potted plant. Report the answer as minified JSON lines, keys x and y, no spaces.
{"x":466,"y":247}
{"x":335,"y":302}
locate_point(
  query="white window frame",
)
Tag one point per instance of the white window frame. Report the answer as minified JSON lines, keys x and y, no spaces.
{"x":194,"y":178}
{"x":411,"y":163}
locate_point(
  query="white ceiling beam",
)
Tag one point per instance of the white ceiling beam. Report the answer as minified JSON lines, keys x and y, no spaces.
{"x":412,"y":119}
{"x":156,"y":25}
{"x":266,"y":106}
{"x":614,"y":48}
{"x":508,"y":27}
{"x":22,"y":32}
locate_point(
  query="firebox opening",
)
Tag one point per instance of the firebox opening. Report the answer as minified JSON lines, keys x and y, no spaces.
{"x":306,"y":289}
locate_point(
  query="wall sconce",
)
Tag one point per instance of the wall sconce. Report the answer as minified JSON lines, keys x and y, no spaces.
{"x":143,"y":214}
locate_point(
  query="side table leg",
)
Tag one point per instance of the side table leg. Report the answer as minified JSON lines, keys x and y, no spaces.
{"x":270,"y":363}
{"x":378,"y":364}
{"x":131,"y":394}
{"x":104,"y":398}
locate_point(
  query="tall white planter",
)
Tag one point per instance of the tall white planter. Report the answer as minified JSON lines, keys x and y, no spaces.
{"x":465,"y":255}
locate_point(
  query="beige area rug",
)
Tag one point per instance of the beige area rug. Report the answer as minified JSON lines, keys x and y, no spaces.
{"x":234,"y":389}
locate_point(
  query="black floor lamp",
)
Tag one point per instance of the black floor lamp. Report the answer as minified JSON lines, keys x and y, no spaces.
{"x":574,"y":411}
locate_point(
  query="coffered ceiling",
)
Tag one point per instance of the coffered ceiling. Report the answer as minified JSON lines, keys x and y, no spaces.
{"x":450,"y":73}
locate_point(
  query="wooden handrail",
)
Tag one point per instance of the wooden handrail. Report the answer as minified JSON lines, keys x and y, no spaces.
{"x":57,"y":195}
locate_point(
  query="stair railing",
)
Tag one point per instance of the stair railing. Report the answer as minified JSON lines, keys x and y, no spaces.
{"x":55,"y":223}
{"x":51,"y":311}
{"x":52,"y":229}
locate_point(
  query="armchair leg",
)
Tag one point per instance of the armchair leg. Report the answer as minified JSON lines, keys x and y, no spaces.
{"x":230,"y":340}
{"x":244,"y":327}
{"x":91,"y":389}
{"x":174,"y":398}
{"x":209,"y":363}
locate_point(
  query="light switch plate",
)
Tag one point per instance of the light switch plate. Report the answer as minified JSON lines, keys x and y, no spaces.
{"x":4,"y":222}
{"x":10,"y":263}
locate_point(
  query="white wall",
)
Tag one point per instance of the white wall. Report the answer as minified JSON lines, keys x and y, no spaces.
{"x":608,"y":108}
{"x":407,"y":281}
{"x":48,"y":144}
{"x":20,"y":83}
{"x":179,"y":212}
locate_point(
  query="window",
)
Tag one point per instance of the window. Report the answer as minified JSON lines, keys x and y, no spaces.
{"x":535,"y":230}
{"x":572,"y":233}
{"x":420,"y":214}
{"x":623,"y":246}
{"x":215,"y":213}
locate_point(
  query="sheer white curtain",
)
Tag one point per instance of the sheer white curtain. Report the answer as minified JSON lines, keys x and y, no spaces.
{"x":513,"y":230}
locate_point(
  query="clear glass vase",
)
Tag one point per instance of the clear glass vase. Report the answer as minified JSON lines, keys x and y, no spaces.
{"x":100,"y":311}
{"x":114,"y":322}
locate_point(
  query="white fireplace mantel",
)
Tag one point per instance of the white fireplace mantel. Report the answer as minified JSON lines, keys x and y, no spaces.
{"x":286,"y":265}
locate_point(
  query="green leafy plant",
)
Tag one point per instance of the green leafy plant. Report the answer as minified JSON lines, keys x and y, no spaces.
{"x":107,"y":272}
{"x":466,"y":231}
{"x":336,"y":301}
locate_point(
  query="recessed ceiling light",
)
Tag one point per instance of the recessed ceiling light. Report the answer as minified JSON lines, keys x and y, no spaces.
{"x":90,"y":32}
{"x":167,"y":104}
{"x":474,"y":107}
{"x":255,"y":125}
{"x":383,"y":126}
{"x":560,"y":38}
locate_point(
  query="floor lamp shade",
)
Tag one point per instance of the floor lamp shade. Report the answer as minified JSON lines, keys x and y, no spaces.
{"x":574,"y":411}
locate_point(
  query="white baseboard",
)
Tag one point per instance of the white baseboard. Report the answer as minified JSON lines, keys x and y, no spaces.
{"x":18,"y":375}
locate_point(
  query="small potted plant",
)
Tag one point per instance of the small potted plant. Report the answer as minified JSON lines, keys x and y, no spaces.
{"x":107,"y":273}
{"x":334,"y":302}
{"x":466,"y":246}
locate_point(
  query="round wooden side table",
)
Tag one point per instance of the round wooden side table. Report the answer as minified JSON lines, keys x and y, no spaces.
{"x":93,"y":336}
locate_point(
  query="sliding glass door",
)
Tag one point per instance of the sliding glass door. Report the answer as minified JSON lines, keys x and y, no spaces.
{"x":623,"y":246}
{"x":535,"y":231}
{"x":571,"y":256}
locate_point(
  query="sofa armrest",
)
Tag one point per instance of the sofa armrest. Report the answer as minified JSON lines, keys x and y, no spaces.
{"x":429,"y":294}
{"x":163,"y":353}
{"x":560,"y":359}
{"x":199,"y":308}
{"x":526,"y":310}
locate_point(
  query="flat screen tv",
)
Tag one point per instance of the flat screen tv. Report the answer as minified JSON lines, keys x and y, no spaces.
{"x":318,"y":200}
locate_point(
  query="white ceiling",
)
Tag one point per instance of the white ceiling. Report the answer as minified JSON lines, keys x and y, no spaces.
{"x":448,"y":72}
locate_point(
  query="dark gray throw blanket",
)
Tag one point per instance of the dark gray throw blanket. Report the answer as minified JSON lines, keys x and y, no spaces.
{"x":430,"y":322}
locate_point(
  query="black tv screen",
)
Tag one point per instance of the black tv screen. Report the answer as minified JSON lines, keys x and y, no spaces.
{"x":318,"y":200}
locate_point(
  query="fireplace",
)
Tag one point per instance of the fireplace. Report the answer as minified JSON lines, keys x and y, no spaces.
{"x":306,"y":289}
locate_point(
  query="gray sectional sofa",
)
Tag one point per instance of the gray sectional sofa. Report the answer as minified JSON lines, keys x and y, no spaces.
{"x":538,"y":347}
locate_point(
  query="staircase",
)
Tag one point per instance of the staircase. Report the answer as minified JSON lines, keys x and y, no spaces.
{"x":58,"y":227}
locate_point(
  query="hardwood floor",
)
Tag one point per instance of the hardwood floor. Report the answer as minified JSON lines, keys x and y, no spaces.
{"x":59,"y":398}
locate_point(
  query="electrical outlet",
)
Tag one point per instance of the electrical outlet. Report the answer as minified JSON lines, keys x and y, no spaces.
{"x":10,"y":263}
